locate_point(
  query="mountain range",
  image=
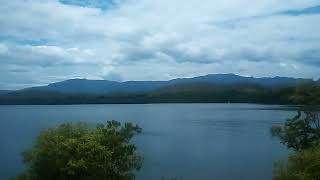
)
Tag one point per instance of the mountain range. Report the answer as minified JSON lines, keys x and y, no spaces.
{"x":85,"y":86}
{"x":208,"y":88}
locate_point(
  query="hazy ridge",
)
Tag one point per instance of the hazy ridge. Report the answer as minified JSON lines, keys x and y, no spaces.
{"x":209,"y":88}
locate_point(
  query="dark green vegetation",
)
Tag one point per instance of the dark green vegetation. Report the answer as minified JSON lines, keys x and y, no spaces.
{"x":216,"y":88}
{"x":79,"y":152}
{"x":192,"y":94}
{"x":302,"y":131}
{"x":303,"y":165}
{"x":302,"y":134}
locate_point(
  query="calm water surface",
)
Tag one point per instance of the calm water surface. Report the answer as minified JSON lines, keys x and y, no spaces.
{"x":188,"y":141}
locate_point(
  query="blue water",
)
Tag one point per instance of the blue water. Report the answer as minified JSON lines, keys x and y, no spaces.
{"x":188,"y":141}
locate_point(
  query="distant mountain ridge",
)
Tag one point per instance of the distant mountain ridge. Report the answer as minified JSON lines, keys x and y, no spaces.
{"x":212,"y":88}
{"x":84,"y":86}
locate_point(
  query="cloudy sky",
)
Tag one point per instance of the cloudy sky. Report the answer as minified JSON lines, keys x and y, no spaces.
{"x":44,"y":41}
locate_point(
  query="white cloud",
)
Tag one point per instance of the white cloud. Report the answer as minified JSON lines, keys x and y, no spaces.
{"x":3,"y":49}
{"x":149,"y":40}
{"x":44,"y":55}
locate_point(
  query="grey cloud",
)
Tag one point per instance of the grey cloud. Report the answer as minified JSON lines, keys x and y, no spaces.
{"x":309,"y":56}
{"x":305,"y":11}
{"x":44,"y":55}
{"x":173,"y":52}
{"x":244,"y":21}
{"x":137,"y":54}
{"x":19,"y":70}
{"x":101,"y":4}
{"x":112,"y":76}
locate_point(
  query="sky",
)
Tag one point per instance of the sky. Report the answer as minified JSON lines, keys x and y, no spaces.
{"x":45,"y":41}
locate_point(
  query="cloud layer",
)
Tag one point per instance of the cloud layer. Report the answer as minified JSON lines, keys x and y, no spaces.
{"x":43,"y":41}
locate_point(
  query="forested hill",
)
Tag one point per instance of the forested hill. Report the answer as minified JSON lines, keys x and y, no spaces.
{"x":210,"y":88}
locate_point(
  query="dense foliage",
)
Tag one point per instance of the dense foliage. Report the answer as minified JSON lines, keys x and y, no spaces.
{"x":303,"y":130}
{"x":303,"y":165}
{"x":307,"y":94}
{"x":79,"y":152}
{"x":302,"y":134}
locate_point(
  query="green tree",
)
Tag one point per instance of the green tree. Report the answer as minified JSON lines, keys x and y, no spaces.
{"x":302,"y":131}
{"x":80,"y":152}
{"x":303,"y":165}
{"x":307,"y":94}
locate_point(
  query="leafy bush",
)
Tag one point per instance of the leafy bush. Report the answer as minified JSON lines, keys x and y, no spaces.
{"x":303,"y":165}
{"x":302,"y":131}
{"x":79,"y":152}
